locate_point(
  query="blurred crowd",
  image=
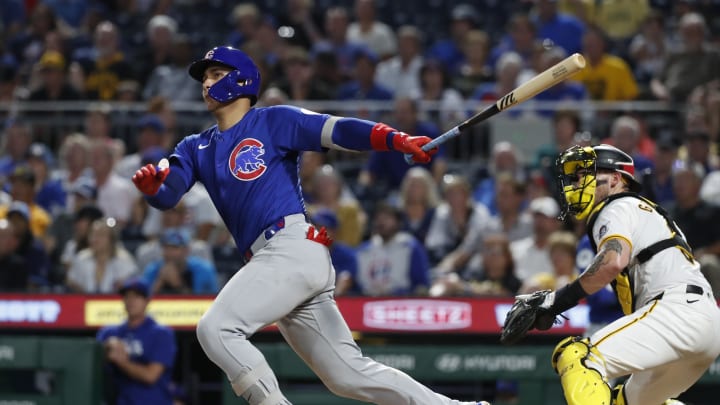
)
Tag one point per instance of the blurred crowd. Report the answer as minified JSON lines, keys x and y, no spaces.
{"x":71,"y":220}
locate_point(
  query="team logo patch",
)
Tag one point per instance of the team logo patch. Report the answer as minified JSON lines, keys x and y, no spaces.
{"x":602,"y":231}
{"x":245,"y":161}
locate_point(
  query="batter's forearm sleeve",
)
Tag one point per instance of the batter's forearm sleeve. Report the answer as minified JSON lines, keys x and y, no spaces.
{"x":357,"y":134}
{"x":169,"y":193}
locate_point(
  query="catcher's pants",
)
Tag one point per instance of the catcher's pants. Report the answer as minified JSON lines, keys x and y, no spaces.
{"x":290,"y":281}
{"x":666,"y":345}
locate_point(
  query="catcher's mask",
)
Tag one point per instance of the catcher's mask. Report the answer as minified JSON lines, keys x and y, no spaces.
{"x":577,"y":169}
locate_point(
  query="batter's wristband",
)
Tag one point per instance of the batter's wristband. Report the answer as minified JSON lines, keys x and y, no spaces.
{"x":567,"y":297}
{"x":381,"y":137}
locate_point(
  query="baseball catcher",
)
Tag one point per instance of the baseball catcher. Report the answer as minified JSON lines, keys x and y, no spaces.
{"x":670,"y":333}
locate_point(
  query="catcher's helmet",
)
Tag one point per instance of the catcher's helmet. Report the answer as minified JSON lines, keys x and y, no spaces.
{"x":612,"y":158}
{"x":577,"y":175}
{"x":242,"y":81}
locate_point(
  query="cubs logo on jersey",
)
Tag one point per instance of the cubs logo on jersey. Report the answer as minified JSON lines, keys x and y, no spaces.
{"x":245,"y":161}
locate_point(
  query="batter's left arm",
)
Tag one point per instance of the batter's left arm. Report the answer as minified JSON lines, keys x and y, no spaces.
{"x":360,"y":135}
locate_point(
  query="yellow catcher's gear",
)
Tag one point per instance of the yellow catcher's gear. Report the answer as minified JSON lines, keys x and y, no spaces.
{"x":577,"y":177}
{"x":581,"y":368}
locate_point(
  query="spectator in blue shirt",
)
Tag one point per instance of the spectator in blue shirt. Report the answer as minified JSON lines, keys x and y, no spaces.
{"x":51,"y":195}
{"x":562,"y":29}
{"x":364,"y":87}
{"x":178,"y":272}
{"x":464,"y":18}
{"x":140,"y":352}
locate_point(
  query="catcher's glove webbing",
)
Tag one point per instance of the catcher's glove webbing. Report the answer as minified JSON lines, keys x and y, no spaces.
{"x":529,"y":311}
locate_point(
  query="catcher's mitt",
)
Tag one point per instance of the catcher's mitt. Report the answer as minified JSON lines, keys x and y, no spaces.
{"x":528,"y":311}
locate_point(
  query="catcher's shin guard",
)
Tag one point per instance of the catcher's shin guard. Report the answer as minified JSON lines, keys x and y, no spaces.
{"x":581,"y":368}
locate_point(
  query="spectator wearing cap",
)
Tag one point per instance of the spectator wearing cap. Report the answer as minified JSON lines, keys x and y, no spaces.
{"x":342,"y":256}
{"x":140,"y":353}
{"x":14,"y":270}
{"x":401,"y":73}
{"x":392,"y":261}
{"x":22,"y":189}
{"x":532,"y":253}
{"x":115,"y":194}
{"x":29,"y":247}
{"x":149,"y":140}
{"x":17,"y":138}
{"x":449,"y":51}
{"x":104,"y":265}
{"x":178,"y":272}
{"x":697,"y":218}
{"x":367,"y":30}
{"x":54,"y":86}
{"x":190,"y":216}
{"x":50,"y":194}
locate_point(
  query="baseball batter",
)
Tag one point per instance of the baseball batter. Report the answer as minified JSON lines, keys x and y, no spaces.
{"x":670,"y":333}
{"x":248,"y":163}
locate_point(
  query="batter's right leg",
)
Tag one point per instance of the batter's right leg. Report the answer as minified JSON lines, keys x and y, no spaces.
{"x":269,"y":287}
{"x":319,"y":335}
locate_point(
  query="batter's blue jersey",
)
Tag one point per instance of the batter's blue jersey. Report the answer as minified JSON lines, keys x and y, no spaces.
{"x":251,"y":170}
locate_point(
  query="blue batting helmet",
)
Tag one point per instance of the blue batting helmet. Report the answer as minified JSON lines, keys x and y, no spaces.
{"x":242,"y":81}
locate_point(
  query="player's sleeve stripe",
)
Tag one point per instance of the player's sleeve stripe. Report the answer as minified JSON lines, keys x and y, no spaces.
{"x":326,"y":134}
{"x":615,"y":236}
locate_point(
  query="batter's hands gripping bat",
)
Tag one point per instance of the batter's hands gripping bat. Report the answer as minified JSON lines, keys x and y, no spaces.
{"x":543,"y":81}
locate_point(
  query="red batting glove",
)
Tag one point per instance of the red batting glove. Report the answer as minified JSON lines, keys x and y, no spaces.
{"x":148,"y":179}
{"x":321,"y":236}
{"x":405,"y":143}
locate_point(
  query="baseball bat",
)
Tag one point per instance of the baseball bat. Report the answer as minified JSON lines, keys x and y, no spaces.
{"x":543,"y":81}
